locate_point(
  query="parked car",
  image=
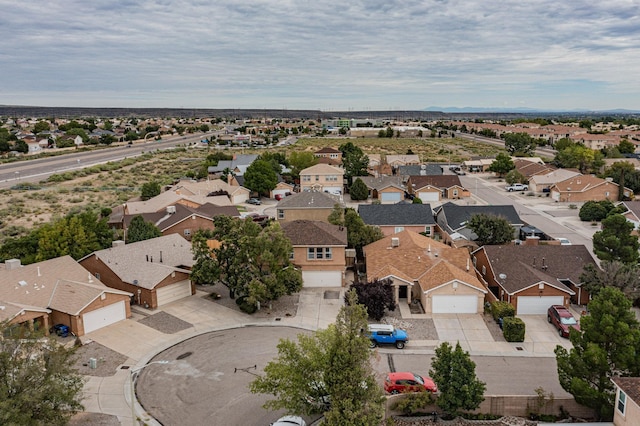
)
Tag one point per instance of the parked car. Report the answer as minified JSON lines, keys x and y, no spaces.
{"x":279,"y":197}
{"x":386,"y":334}
{"x":401,"y":382}
{"x":564,"y":241}
{"x":290,"y":421}
{"x":562,"y":319}
{"x":517,"y":187}
{"x":254,"y":201}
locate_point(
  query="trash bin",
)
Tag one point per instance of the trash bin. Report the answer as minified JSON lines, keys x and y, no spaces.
{"x":93,"y":363}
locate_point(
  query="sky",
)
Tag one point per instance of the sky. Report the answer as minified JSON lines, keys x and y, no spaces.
{"x":330,"y":55}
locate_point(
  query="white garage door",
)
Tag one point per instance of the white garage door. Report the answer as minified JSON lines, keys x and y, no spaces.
{"x":103,"y":317}
{"x":429,"y":196}
{"x":454,"y":304}
{"x":528,"y":305}
{"x":322,"y":278}
{"x":390,"y":197}
{"x":173,"y":292}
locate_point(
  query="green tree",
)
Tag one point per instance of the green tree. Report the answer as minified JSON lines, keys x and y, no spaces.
{"x":519,"y":144}
{"x":253,"y":262}
{"x":79,"y":132}
{"x":39,"y":384}
{"x":416,"y":200}
{"x":455,"y":374}
{"x":75,"y":235}
{"x":260,"y":177}
{"x":377,"y":296}
{"x":328,"y":372}
{"x":502,"y":164}
{"x":21,"y":146}
{"x":624,"y":174}
{"x":359,"y":234}
{"x":41,"y":126}
{"x":358,"y":191}
{"x":141,"y":230}
{"x":595,"y":210}
{"x":626,"y":147}
{"x":607,"y":345}
{"x":579,"y":157}
{"x":354,"y":161}
{"x":149,"y":190}
{"x":563,"y":143}
{"x":336,"y":217}
{"x":300,"y":160}
{"x":612,"y":273}
{"x":615,"y":241}
{"x":107,"y":139}
{"x":491,"y":229}
{"x":515,"y":176}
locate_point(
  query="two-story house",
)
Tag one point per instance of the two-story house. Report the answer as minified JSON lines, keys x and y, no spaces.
{"x":329,"y":156}
{"x":322,"y":178}
{"x":395,"y":218}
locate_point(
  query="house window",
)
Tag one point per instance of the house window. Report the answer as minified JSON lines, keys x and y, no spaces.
{"x":398,"y":229}
{"x":455,"y":192}
{"x":622,"y":401}
{"x":427,"y":231}
{"x":187,"y":232}
{"x":280,"y":214}
{"x":475,"y":259}
{"x":317,"y":178}
{"x":606,"y":194}
{"x":314,"y":253}
{"x":306,"y":178}
{"x":484,"y":270}
{"x":333,"y":155}
{"x":291,"y":255}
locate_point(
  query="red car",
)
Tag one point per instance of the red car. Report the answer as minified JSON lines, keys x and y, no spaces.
{"x":562,"y":319}
{"x":402,"y":382}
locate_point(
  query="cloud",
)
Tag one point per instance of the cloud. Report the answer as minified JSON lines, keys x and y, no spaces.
{"x":320,"y":54}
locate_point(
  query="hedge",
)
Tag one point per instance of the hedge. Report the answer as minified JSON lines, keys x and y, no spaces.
{"x":513,"y":329}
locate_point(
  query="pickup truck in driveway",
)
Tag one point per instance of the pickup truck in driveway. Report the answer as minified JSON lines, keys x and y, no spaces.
{"x":517,"y":187}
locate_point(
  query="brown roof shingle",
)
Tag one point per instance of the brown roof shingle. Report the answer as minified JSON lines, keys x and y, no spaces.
{"x":314,"y":233}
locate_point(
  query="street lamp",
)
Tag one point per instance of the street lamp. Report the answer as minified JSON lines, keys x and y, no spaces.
{"x":134,"y":372}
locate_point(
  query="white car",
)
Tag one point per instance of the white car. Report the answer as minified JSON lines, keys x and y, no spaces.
{"x":564,"y":241}
{"x":290,"y":421}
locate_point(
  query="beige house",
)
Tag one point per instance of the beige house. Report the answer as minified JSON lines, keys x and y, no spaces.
{"x":403,"y":160}
{"x":307,"y":206}
{"x":332,"y":155}
{"x":539,"y":183}
{"x":586,"y":188}
{"x":626,"y":411}
{"x":58,"y":291}
{"x":318,"y":251}
{"x":322,"y":178}
{"x":437,"y":275}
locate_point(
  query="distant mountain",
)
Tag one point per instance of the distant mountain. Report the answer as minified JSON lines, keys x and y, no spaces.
{"x":523,"y":110}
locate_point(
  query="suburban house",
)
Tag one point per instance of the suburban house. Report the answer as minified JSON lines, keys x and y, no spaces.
{"x":58,"y":291}
{"x":183,"y":220}
{"x":395,"y":218}
{"x":329,"y":155}
{"x":396,"y":161}
{"x":156,"y":271}
{"x":387,"y":189}
{"x":430,"y":169}
{"x":420,"y":268}
{"x":534,"y":277}
{"x":212,"y":187}
{"x":238,"y":165}
{"x":306,"y":206}
{"x":282,"y":189}
{"x":587,"y":188}
{"x":626,"y":410}
{"x":527,"y":168}
{"x":543,"y":182}
{"x":318,"y":251}
{"x":633,"y":213}
{"x":322,"y":178}
{"x":478,"y":165}
{"x":436,"y":187}
{"x":452,"y":219}
{"x":377,"y":167}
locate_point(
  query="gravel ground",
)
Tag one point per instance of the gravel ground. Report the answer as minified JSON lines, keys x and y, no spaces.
{"x":285,"y":306}
{"x":107,"y":360}
{"x":165,"y":323}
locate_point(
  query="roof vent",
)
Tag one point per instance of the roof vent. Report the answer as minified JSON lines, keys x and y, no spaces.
{"x":22,"y":283}
{"x":171,"y":209}
{"x":395,"y":242}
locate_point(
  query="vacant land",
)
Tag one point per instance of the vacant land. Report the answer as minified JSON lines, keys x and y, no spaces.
{"x":109,"y":185}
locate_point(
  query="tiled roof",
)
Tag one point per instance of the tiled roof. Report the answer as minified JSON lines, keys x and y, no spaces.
{"x":61,"y":284}
{"x":309,"y":200}
{"x":581,"y":183}
{"x":444,"y":272}
{"x":314,"y":233}
{"x":630,"y":386}
{"x":328,"y":150}
{"x":396,"y":214}
{"x":381,"y":182}
{"x":439,"y":181}
{"x":322,"y":169}
{"x":146,"y":263}
{"x":164,"y":220}
{"x":633,"y":206}
{"x":413,"y":256}
{"x":526,"y":265}
{"x":420,"y":170}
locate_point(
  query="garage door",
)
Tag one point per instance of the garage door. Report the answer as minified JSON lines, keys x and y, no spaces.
{"x":103,"y":317}
{"x":173,"y":292}
{"x":390,"y":197}
{"x":322,"y":278}
{"x":454,"y":304}
{"x":537,"y":305}
{"x":429,"y":196}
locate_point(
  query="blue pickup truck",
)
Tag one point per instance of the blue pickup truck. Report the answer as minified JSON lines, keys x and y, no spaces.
{"x":386,"y":334}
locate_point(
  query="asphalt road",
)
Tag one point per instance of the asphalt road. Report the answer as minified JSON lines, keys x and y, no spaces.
{"x":207,"y":377}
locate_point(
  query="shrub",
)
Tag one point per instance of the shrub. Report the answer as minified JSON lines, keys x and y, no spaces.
{"x":513,"y":329}
{"x":501,"y":309}
{"x":412,"y":403}
{"x":245,"y":305}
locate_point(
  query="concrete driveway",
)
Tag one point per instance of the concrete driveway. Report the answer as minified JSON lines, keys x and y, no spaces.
{"x":541,"y":337}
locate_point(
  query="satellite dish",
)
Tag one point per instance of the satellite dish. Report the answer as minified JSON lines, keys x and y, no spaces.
{"x":503,"y":276}
{"x":135,"y":282}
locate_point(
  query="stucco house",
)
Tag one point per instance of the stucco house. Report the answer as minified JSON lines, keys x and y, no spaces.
{"x":626,"y":410}
{"x":238,"y":165}
{"x":387,"y":189}
{"x":395,"y":218}
{"x":156,"y":271}
{"x":545,"y":181}
{"x":319,"y":251}
{"x":436,"y":187}
{"x":396,"y":161}
{"x":58,"y":291}
{"x":420,"y":268}
{"x":331,"y":155}
{"x":582,"y":188}
{"x":307,"y":206}
{"x":322,"y":178}
{"x":533,"y":277}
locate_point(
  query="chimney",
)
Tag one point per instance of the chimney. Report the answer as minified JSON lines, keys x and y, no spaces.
{"x":117,"y":243}
{"x":395,"y":242}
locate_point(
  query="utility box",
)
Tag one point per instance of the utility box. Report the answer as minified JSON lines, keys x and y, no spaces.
{"x":93,"y":363}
